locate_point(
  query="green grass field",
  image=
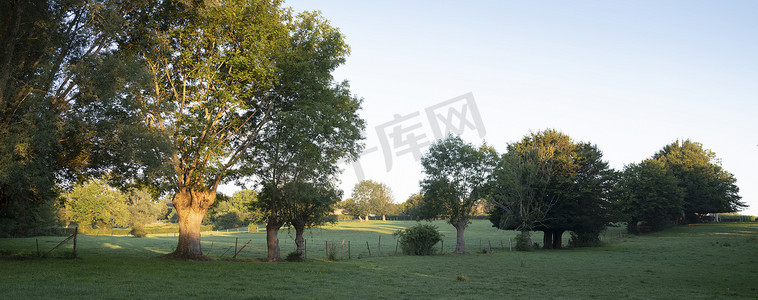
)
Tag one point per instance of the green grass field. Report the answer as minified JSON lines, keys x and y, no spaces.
{"x":685,"y":262}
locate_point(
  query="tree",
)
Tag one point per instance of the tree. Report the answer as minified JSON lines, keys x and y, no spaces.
{"x":707,"y":186}
{"x":316,"y":126}
{"x":650,"y":194}
{"x":519,"y":191}
{"x":237,"y":210}
{"x":210,"y":68}
{"x":94,"y":203}
{"x":577,"y":192}
{"x":456,"y":180}
{"x":142,"y":207}
{"x":410,"y":207}
{"x":58,"y":72}
{"x":372,"y":197}
{"x":308,"y":205}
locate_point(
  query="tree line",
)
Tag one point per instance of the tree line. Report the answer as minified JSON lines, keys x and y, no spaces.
{"x":550,"y":183}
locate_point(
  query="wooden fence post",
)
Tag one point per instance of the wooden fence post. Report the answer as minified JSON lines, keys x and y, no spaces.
{"x":369,"y":248}
{"x":348,"y":250}
{"x":342,"y":250}
{"x":76,"y":233}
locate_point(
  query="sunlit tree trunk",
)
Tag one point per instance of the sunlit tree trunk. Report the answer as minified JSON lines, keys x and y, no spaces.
{"x":191,"y":207}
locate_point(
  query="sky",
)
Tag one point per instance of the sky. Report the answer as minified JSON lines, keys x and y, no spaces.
{"x":628,"y":76}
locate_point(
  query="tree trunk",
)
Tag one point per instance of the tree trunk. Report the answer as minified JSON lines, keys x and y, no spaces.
{"x":191,"y":207}
{"x":272,"y":241}
{"x":460,"y":243}
{"x":526,"y":234}
{"x":384,"y":218}
{"x":558,"y":239}
{"x":299,"y":240}
{"x":547,"y":239}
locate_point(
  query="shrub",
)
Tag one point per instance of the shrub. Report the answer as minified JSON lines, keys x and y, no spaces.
{"x":138,"y":230}
{"x":522,"y":243}
{"x":294,"y":257}
{"x":419,"y":239}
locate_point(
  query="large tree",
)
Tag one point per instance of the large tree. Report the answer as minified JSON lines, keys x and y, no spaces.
{"x":58,"y":72}
{"x":519,"y":191}
{"x":707,"y":186}
{"x":578,"y":186}
{"x":210,"y":68}
{"x":315,"y":127}
{"x":577,"y":192}
{"x":651,"y":194}
{"x":455,"y":182}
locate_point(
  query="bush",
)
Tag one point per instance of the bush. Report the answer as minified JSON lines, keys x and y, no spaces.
{"x":138,"y":230}
{"x":419,"y":239}
{"x":294,"y":257}
{"x":522,"y":243}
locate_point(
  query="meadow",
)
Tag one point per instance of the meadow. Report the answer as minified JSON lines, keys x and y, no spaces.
{"x":689,"y":262}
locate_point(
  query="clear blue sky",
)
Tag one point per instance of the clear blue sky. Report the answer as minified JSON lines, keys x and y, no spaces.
{"x":629,"y":76}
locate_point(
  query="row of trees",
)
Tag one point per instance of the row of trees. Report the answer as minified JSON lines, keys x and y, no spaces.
{"x":95,"y":204}
{"x":175,"y":98}
{"x":548,"y":182}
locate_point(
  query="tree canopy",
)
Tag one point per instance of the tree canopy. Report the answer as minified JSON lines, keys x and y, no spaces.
{"x":455,"y":182}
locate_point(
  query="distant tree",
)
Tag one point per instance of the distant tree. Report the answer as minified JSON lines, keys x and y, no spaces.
{"x":142,"y":207}
{"x":707,"y":186}
{"x":372,"y":197}
{"x":361,"y":199}
{"x":411,"y":205}
{"x":456,"y":176}
{"x":651,"y":194}
{"x":95,"y":203}
{"x":237,"y":210}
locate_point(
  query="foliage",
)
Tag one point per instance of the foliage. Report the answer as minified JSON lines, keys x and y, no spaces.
{"x":371,"y":197}
{"x":550,"y":183}
{"x":138,"y":230}
{"x":456,"y":178}
{"x":58,"y":73}
{"x":316,"y":126}
{"x":95,"y":203}
{"x":419,"y":239}
{"x":411,"y":205}
{"x":235,"y":211}
{"x":650,"y":193}
{"x":519,"y":189}
{"x":523,"y":241}
{"x":294,"y":256}
{"x":708,"y":188}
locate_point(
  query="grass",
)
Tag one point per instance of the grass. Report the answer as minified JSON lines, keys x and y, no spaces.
{"x":687,"y":262}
